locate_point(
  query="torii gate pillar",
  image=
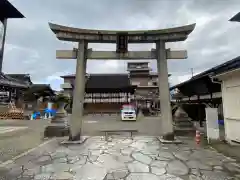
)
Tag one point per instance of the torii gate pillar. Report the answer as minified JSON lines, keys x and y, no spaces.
{"x":78,"y":93}
{"x":164,"y":94}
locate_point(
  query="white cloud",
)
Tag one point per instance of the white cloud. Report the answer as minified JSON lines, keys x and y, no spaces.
{"x":53,"y":80}
{"x":181,"y":78}
{"x":31,"y":45}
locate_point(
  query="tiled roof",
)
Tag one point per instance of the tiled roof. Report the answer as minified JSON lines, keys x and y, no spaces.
{"x":94,"y":74}
{"x":235,"y":17}
{"x":224,"y":67}
{"x":73,"y":75}
{"x":12,"y":82}
{"x":40,"y":89}
{"x":108,"y":81}
{"x":21,"y":77}
{"x":7,"y":10}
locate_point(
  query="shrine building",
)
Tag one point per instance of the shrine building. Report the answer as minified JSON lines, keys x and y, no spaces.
{"x":106,"y":93}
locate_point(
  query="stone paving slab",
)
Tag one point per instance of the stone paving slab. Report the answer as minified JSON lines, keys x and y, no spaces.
{"x":140,"y":158}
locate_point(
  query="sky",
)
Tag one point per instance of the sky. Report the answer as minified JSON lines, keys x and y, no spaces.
{"x":31,"y":45}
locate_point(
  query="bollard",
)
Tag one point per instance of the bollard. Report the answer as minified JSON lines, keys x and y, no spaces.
{"x":50,"y":116}
{"x":45,"y":116}
{"x":31,"y":117}
{"x":198,"y":137}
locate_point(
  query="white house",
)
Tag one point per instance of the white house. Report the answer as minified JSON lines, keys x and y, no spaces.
{"x":230,"y":81}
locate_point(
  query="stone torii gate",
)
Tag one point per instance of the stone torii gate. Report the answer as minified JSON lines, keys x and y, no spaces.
{"x":121,"y":38}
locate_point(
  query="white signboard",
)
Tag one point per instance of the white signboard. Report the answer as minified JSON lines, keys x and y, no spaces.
{"x":212,"y":123}
{"x":50,"y":105}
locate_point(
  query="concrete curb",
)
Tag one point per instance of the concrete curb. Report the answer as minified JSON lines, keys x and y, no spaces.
{"x":83,"y":140}
{"x":176,"y":141}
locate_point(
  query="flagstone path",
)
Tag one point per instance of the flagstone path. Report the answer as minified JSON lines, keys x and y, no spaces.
{"x":140,"y":158}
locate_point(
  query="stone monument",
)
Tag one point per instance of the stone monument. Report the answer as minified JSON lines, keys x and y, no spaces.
{"x":61,"y":112}
{"x":182,"y":123}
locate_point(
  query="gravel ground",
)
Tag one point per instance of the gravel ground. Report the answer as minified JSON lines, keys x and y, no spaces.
{"x":146,"y":126}
{"x":16,"y":142}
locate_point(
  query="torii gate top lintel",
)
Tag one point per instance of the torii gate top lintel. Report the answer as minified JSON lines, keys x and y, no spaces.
{"x":66,"y":33}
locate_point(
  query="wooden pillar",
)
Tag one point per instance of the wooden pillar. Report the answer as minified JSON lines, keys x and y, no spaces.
{"x":200,"y":114}
{"x":78,"y":93}
{"x":17,"y":96}
{"x":10,"y":94}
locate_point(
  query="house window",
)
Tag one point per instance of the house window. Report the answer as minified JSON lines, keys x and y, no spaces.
{"x":154,"y":83}
{"x":135,"y":83}
{"x":122,"y":43}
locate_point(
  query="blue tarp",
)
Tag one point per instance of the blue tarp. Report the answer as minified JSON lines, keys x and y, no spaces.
{"x":36,"y":114}
{"x":221,"y":122}
{"x":51,"y":111}
{"x":48,"y":111}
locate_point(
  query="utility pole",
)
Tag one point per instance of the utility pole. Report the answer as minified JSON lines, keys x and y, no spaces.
{"x":2,"y":40}
{"x":192,"y":71}
{"x":7,"y":11}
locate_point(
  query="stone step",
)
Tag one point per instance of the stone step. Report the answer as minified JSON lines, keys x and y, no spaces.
{"x":183,"y":126}
{"x":182,"y":119}
{"x":59,"y":120}
{"x":56,"y":131}
{"x":184,"y":131}
{"x":186,"y":123}
{"x":183,"y":122}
